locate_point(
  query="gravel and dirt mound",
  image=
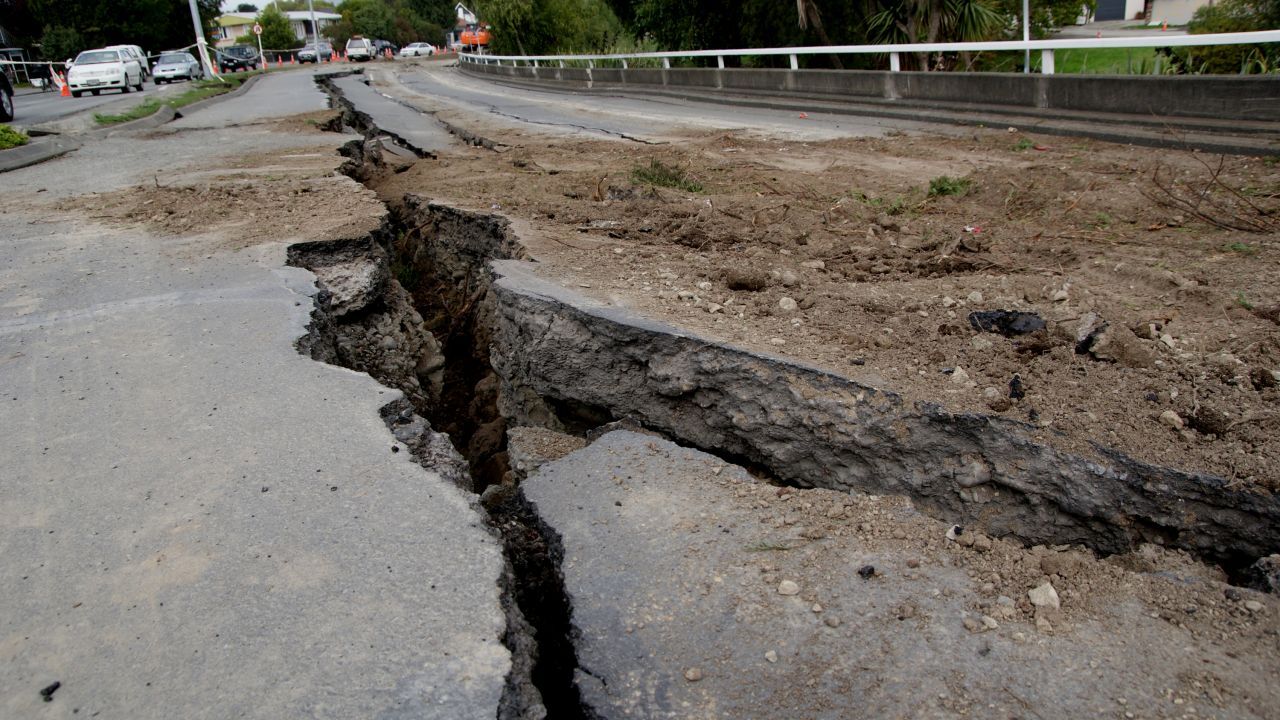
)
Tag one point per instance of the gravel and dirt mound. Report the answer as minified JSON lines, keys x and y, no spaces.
{"x":1154,"y":273}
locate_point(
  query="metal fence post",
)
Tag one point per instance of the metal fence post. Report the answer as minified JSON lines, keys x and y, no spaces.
{"x":1046,"y":62}
{"x":720,"y":61}
{"x":795,"y":62}
{"x":666,"y":63}
{"x":895,"y":62}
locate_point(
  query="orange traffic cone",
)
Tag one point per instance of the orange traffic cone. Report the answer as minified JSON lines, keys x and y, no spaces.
{"x":1164,"y":26}
{"x":279,"y":61}
{"x":66,"y":89}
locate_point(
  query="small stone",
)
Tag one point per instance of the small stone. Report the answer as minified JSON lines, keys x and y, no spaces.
{"x":788,"y":278}
{"x":973,"y":626}
{"x":835,"y":511}
{"x":788,"y":587}
{"x":906,"y":611}
{"x":955,"y":531}
{"x":913,"y":563}
{"x":1019,"y":637}
{"x":1167,"y":340}
{"x":787,"y":304}
{"x":1060,"y":296}
{"x":693,"y":674}
{"x":989,"y":623}
{"x":831,"y":621}
{"x":1232,"y":594}
{"x":1253,"y":606}
{"x":816,"y":608}
{"x":959,"y":376}
{"x":974,"y":297}
{"x":704,"y":286}
{"x":981,"y":344}
{"x":714,"y":308}
{"x":982,"y":543}
{"x":777,"y":341}
{"x":866,"y":572}
{"x":771,"y":656}
{"x":1044,"y":596}
{"x":1172,"y":419}
{"x":667,"y":276}
{"x":948,"y":301}
{"x":814,"y":264}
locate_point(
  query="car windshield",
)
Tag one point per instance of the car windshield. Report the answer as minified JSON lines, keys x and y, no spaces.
{"x":240,"y":52}
{"x":175,"y":58}
{"x":94,"y":57}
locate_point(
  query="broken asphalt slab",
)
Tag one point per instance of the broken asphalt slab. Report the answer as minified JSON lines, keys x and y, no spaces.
{"x":195,"y":520}
{"x":699,"y":591}
{"x":414,"y":129}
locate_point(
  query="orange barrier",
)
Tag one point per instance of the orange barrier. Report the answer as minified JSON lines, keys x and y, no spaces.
{"x":66,"y":89}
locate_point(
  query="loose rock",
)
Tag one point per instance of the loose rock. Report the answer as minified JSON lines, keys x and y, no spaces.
{"x":788,"y":587}
{"x":1044,"y":596}
{"x":693,"y":674}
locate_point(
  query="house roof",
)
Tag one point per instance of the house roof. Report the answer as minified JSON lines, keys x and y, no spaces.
{"x":234,"y":20}
{"x":304,"y":15}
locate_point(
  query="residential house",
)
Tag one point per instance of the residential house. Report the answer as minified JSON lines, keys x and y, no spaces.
{"x":234,"y":25}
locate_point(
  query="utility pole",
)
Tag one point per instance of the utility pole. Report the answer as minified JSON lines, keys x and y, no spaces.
{"x":1026,"y":34}
{"x":315,"y":29}
{"x":202,"y":45}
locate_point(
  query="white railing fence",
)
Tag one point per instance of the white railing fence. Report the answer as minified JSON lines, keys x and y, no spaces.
{"x":1045,"y":47}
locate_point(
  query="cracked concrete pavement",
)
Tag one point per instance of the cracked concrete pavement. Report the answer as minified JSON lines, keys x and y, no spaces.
{"x":195,"y":520}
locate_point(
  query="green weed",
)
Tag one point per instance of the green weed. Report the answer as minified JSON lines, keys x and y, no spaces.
{"x":944,"y":185}
{"x":1023,"y":144}
{"x":1242,"y":248}
{"x":1243,"y":302}
{"x":10,"y":138}
{"x":663,"y":175}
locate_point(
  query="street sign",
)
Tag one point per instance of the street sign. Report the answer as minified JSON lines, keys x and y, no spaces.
{"x":257,"y":29}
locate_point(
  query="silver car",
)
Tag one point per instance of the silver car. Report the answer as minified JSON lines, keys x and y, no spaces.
{"x":176,"y":65}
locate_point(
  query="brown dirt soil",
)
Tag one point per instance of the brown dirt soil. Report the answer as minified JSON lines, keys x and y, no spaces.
{"x":1176,"y":253}
{"x":246,"y":201}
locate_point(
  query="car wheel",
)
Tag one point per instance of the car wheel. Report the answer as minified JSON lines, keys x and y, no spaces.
{"x":96,"y":93}
{"x":6,"y":106}
{"x":75,"y":93}
{"x":124,"y":89}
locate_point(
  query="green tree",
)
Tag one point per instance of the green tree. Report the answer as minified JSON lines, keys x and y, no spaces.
{"x":246,"y":8}
{"x":934,"y":21}
{"x":551,"y":26}
{"x":277,"y":32}
{"x":153,"y":24}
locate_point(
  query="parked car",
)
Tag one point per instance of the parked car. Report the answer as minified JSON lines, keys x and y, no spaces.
{"x":359,"y":49}
{"x":309,"y":54}
{"x":418,"y":49}
{"x":237,"y":58}
{"x":97,"y":70}
{"x":138,"y":53}
{"x":6,"y":98}
{"x":382,"y":47}
{"x":177,"y":65}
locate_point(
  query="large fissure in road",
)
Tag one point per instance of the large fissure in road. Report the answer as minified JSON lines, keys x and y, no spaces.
{"x":443,"y":304}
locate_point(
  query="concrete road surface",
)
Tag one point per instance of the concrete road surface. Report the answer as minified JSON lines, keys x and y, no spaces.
{"x":195,"y":520}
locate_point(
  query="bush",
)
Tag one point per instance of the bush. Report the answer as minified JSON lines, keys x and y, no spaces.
{"x":1233,"y":16}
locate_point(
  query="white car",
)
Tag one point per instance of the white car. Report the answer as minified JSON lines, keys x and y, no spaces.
{"x":97,"y":70}
{"x":359,"y":49}
{"x":138,"y":55}
{"x":417,"y":49}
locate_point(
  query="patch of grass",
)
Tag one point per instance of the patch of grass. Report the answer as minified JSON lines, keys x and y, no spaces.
{"x":1242,"y":248}
{"x":141,"y":110}
{"x":10,"y":138}
{"x":1243,"y":302}
{"x":896,"y":205}
{"x":664,"y":175}
{"x":1102,"y":220}
{"x":766,"y":546}
{"x":1023,"y":144}
{"x":944,"y":185}
{"x":1080,"y":61}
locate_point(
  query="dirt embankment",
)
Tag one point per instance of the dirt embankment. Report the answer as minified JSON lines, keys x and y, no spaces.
{"x":1154,"y":273}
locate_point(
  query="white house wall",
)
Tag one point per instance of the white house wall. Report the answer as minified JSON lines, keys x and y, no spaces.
{"x":1175,"y":12}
